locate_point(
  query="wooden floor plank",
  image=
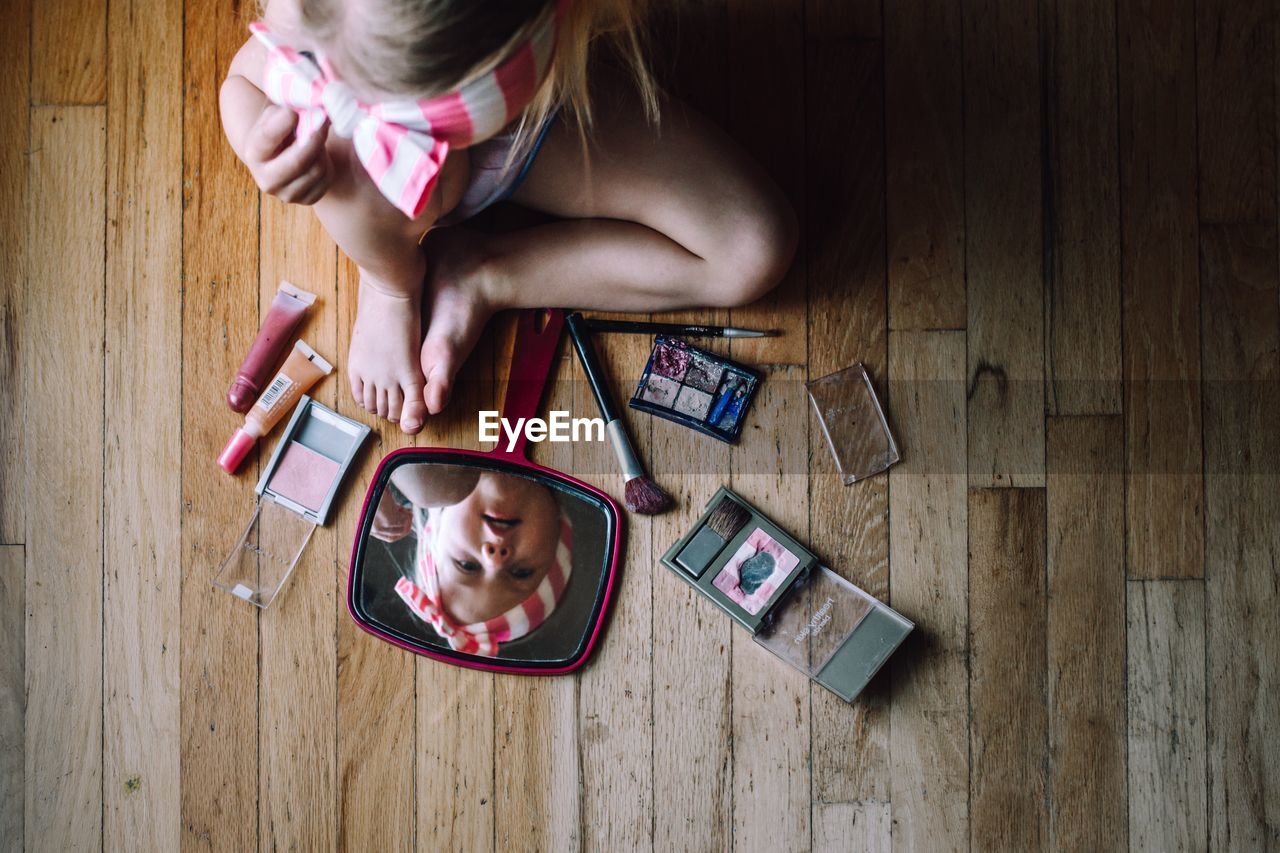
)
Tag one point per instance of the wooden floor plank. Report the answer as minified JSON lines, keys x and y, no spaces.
{"x":219,"y":677}
{"x":616,"y":728}
{"x":377,"y":710}
{"x":1160,"y":305}
{"x":297,"y":690}
{"x":771,"y":736}
{"x":64,"y":482}
{"x":143,"y":480}
{"x":1241,"y":331}
{"x":13,"y":696}
{"x":15,"y":120}
{"x":1086,"y":625}
{"x":924,"y":162}
{"x":69,"y":52}
{"x":929,"y":718}
{"x":840,"y":827}
{"x":1008,"y":726}
{"x":1082,"y":303}
{"x":844,"y":256}
{"x":1166,"y":715}
{"x":1004,"y":244}
{"x":774,"y":137}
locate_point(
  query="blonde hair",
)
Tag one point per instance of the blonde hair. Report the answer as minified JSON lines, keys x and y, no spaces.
{"x":424,"y":48}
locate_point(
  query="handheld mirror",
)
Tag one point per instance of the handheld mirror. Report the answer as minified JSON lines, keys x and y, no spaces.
{"x":485,"y":559}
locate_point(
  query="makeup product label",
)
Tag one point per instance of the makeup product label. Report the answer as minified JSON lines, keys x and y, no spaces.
{"x":278,"y":386}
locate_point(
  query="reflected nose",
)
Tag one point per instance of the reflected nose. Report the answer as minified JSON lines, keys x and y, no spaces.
{"x":496,"y":552}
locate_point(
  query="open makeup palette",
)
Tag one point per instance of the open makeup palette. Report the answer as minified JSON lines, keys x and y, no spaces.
{"x":696,"y":388}
{"x":777,"y":589}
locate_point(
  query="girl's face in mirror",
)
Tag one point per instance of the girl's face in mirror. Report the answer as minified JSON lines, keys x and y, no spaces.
{"x":496,"y":546}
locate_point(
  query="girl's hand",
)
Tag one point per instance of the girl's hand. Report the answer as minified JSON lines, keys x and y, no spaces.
{"x":294,"y":171}
{"x":392,"y":521}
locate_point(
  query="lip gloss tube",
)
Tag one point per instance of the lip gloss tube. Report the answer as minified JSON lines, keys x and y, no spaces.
{"x":285,"y":315}
{"x":302,"y":369}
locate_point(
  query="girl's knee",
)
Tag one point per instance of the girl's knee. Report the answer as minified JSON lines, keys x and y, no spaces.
{"x":757,"y":252}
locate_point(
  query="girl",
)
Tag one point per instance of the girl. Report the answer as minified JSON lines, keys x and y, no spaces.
{"x":494,"y":552}
{"x":393,"y":117}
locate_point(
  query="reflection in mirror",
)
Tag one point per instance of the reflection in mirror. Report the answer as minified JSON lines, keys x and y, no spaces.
{"x":471,"y":558}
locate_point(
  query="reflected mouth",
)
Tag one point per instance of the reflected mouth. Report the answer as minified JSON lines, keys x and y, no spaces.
{"x":499,"y":524}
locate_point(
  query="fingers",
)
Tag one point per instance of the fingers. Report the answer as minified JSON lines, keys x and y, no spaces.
{"x":270,"y":132}
{"x":310,"y":186}
{"x":298,"y":174}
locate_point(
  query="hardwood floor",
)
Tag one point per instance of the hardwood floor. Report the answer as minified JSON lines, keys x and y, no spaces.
{"x":1049,"y":230}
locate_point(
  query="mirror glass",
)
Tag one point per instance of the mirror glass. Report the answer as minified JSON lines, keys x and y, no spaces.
{"x":483,"y":561}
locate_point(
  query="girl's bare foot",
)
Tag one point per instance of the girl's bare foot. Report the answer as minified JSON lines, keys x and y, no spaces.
{"x":385,"y":373}
{"x":457,"y":309}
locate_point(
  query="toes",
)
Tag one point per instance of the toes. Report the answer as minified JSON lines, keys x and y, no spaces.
{"x":413,"y":414}
{"x":382,"y":402}
{"x":357,"y":390}
{"x":370,"y":397}
{"x":438,"y":367}
{"x":395,"y":399}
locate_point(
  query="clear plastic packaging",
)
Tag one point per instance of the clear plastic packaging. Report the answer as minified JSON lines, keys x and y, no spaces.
{"x":854,"y":423}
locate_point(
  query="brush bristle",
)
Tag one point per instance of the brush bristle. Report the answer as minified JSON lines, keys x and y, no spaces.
{"x":645,"y":497}
{"x":728,"y":518}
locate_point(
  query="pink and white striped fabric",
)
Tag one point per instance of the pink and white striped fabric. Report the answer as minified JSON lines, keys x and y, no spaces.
{"x":482,"y":638}
{"x":403,"y":144}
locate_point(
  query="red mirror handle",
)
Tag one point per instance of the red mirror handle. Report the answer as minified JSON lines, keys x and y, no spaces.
{"x":531,"y":360}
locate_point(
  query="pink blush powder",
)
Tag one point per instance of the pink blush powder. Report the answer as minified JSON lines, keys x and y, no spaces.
{"x":304,"y":476}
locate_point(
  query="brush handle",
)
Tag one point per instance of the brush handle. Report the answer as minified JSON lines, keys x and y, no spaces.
{"x":581,"y":337}
{"x":627,"y":461}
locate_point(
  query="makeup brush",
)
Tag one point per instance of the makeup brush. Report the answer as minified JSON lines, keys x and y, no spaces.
{"x":641,"y":494}
{"x":689,"y":331}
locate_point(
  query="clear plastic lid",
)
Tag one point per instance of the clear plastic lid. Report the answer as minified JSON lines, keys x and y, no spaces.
{"x":264,"y":558}
{"x":833,"y":632}
{"x":854,"y":423}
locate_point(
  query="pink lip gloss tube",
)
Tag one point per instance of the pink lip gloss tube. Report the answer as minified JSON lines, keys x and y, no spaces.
{"x":287,"y":311}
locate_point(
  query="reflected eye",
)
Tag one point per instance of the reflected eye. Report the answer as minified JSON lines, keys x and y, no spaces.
{"x":521,"y":574}
{"x":467,"y":566}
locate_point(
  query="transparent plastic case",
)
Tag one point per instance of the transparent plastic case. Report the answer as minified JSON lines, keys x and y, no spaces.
{"x":264,"y":558}
{"x":854,"y":423}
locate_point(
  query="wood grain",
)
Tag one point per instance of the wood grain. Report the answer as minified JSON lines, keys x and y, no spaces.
{"x":297,"y":690}
{"x":13,"y":696}
{"x":929,"y":713}
{"x":1160,"y":306}
{"x":1166,"y":715}
{"x":1086,"y":640}
{"x":64,"y":482}
{"x":376,"y":688}
{"x":844,"y":256}
{"x":1241,"y":332}
{"x":1082,"y":302}
{"x":69,"y":52}
{"x":771,"y":737}
{"x":1008,"y":726}
{"x":143,"y":480}
{"x":15,"y":98}
{"x":774,"y":137}
{"x":852,"y":826}
{"x":219,"y":677}
{"x":617,"y":738}
{"x":1004,"y":244}
{"x":1236,"y":108}
{"x":924,"y":164}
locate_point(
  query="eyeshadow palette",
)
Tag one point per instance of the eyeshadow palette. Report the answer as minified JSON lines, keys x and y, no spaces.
{"x":696,"y":388}
{"x":773,"y":586}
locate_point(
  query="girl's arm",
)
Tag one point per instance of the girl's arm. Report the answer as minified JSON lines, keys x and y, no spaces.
{"x":262,"y":135}
{"x":431,"y":485}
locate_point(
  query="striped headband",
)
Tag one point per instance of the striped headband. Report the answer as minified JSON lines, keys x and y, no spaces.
{"x":482,"y":638}
{"x":402,"y":144}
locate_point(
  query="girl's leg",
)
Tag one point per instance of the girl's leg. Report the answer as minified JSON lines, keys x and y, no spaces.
{"x":656,"y":219}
